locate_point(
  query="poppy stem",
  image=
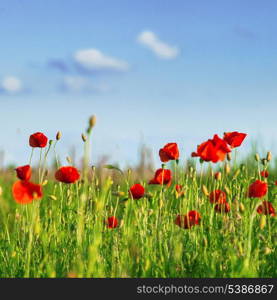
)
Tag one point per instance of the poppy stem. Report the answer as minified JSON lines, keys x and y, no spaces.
{"x":31,"y":156}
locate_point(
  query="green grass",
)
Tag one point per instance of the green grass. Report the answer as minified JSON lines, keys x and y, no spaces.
{"x":63,"y":233}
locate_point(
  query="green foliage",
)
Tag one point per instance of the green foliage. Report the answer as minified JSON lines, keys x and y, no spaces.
{"x":64,"y":233}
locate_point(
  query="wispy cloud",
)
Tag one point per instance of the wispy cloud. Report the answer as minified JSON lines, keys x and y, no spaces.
{"x":11,"y":85}
{"x":245,"y":33}
{"x":80,"y":84}
{"x":160,"y":48}
{"x":94,"y":60}
{"x":58,"y":64}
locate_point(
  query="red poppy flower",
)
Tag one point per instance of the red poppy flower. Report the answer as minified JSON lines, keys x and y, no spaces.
{"x":178,"y":188}
{"x":137,"y":191}
{"x":24,"y":172}
{"x":38,"y":140}
{"x":187,"y":221}
{"x":169,"y":152}
{"x":67,"y":174}
{"x":264,"y":173}
{"x":217,"y":196}
{"x":234,"y":139}
{"x":257,"y":189}
{"x":266,"y":208}
{"x":222,"y":207}
{"x":111,"y":222}
{"x":213,"y":150}
{"x":25,"y":191}
{"x":162,"y":176}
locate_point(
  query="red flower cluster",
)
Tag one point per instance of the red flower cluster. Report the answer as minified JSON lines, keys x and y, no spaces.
{"x":213,"y":150}
{"x":218,"y":196}
{"x":169,"y":152}
{"x":264,"y":174}
{"x":137,"y":191}
{"x":222,"y":207}
{"x":257,"y":189}
{"x":23,"y":190}
{"x":67,"y":174}
{"x":162,"y":176}
{"x":266,"y":208}
{"x":192,"y":218}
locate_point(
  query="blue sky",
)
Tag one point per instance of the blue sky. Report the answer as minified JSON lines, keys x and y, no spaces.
{"x":151,"y":71}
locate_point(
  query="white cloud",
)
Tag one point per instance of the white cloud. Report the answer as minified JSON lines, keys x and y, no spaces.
{"x":93,"y":59}
{"x":160,"y":48}
{"x":82,"y":84}
{"x":11,"y":85}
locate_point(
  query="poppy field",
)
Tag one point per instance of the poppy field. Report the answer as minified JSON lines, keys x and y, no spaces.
{"x":210,"y":216}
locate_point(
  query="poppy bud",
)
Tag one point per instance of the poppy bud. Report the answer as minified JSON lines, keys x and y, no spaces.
{"x":267,"y":250}
{"x":227,"y":168}
{"x":241,"y":208}
{"x":269,"y":156}
{"x":205,"y":190}
{"x":58,"y":135}
{"x":53,"y":197}
{"x":84,"y":138}
{"x":262,"y":221}
{"x":92,"y":121}
{"x":236,"y":173}
{"x":257,"y":157}
{"x":50,"y":142}
{"x":229,"y":156}
{"x":44,"y":182}
{"x":242,"y":167}
{"x":46,"y":173}
{"x":69,"y":160}
{"x":227,"y":190}
{"x":1,"y":191}
{"x":217,"y":176}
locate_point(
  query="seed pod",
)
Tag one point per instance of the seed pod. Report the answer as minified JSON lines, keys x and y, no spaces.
{"x":58,"y":135}
{"x":50,"y":142}
{"x":269,"y":156}
{"x":69,"y":160}
{"x":229,"y":156}
{"x":84,"y":138}
{"x":262,"y":221}
{"x":264,"y":161}
{"x":205,"y":190}
{"x":257,"y":157}
{"x":92,"y":121}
